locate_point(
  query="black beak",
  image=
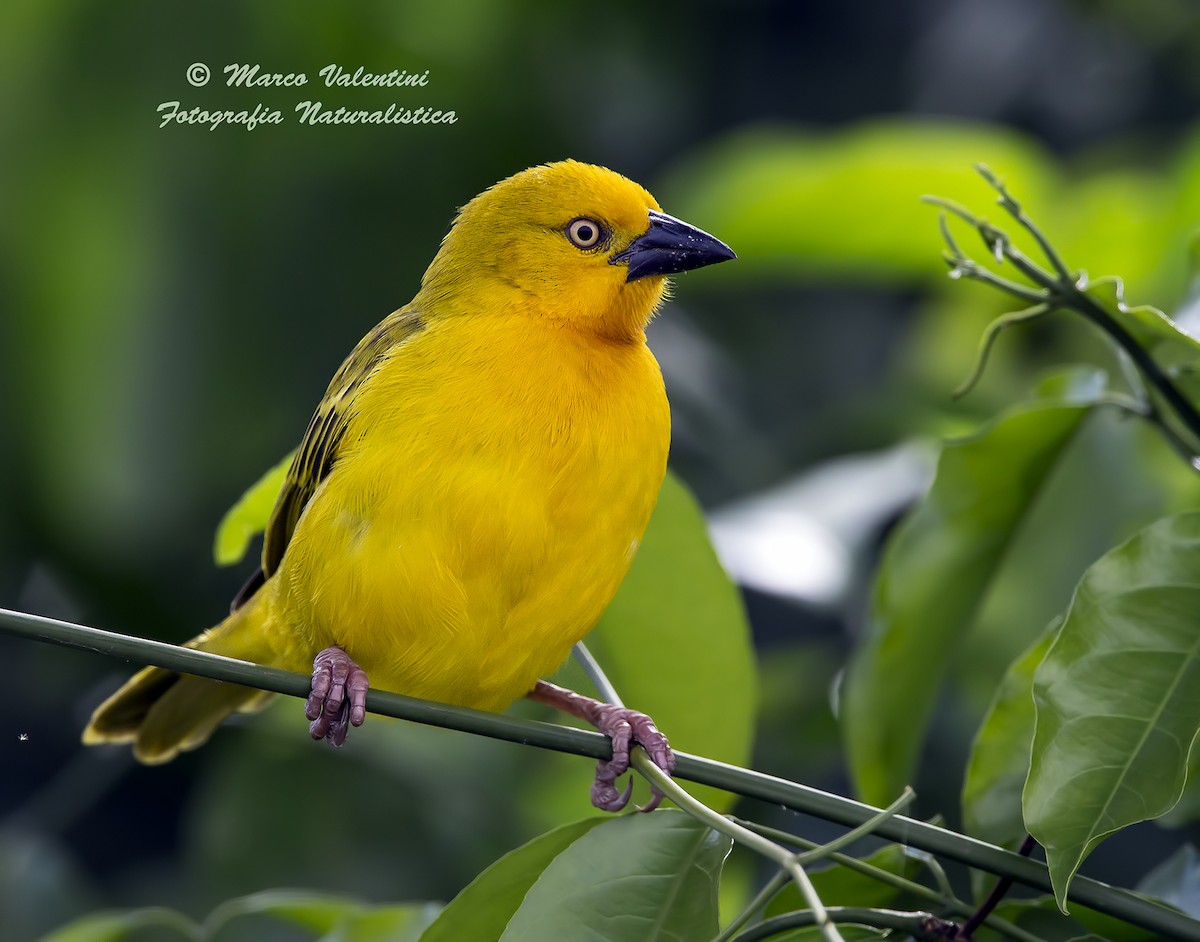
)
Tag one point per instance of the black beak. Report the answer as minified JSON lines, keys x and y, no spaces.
{"x":670,"y":245}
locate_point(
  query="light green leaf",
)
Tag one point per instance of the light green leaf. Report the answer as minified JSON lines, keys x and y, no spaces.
{"x":999,"y":759}
{"x":841,"y":886}
{"x":315,"y":911}
{"x":937,"y":567}
{"x":636,"y":878}
{"x":483,"y":908}
{"x":117,"y":926}
{"x":402,"y":923}
{"x":858,"y":191}
{"x":1118,"y":697}
{"x":248,"y":517}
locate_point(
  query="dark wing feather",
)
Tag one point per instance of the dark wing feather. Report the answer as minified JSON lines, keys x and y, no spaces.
{"x":318,"y":450}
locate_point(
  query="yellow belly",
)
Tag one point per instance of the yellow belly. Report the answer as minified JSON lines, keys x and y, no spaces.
{"x":483,"y":517}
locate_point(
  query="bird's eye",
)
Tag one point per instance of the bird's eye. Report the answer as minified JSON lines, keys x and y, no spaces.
{"x":585,"y":233}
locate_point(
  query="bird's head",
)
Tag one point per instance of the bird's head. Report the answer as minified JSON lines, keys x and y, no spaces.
{"x":568,"y":241}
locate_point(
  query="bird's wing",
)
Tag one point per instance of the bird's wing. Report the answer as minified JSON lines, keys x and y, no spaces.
{"x":318,"y":450}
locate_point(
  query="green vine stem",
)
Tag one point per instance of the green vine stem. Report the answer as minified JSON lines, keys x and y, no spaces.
{"x":1058,"y":289}
{"x":943,"y":897}
{"x":812,"y":855}
{"x":1113,"y":901}
{"x":917,"y":925}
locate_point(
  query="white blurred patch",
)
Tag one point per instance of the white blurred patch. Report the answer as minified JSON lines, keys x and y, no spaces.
{"x":800,"y":540}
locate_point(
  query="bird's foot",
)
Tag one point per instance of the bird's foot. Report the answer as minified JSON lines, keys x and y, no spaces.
{"x":626,"y":728}
{"x":338,"y":699}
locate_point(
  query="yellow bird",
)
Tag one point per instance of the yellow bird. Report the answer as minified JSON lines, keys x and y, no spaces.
{"x":473,"y":485}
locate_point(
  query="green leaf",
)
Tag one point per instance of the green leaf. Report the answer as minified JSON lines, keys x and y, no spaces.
{"x":938,"y":565}
{"x":483,"y":908}
{"x":1118,"y":697}
{"x":402,"y":923}
{"x":636,"y":878}
{"x":999,"y":759}
{"x":248,"y":517}
{"x":118,"y":926}
{"x":858,"y":191}
{"x":315,"y":911}
{"x":676,"y":644}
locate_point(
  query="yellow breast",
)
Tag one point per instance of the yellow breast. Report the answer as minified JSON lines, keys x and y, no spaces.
{"x":486,"y":504}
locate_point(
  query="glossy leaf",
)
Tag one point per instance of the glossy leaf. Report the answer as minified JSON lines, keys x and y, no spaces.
{"x":937,"y":567}
{"x":483,"y":908}
{"x":637,"y":878}
{"x":999,"y":759}
{"x":1118,"y":697}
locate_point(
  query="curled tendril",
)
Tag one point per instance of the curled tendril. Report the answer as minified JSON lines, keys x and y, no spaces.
{"x":994,"y":329}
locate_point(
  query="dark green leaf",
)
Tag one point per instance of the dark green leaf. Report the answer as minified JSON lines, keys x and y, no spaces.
{"x":999,"y":759}
{"x":1118,"y":697}
{"x":637,"y":878}
{"x":482,"y":910}
{"x":936,"y":569}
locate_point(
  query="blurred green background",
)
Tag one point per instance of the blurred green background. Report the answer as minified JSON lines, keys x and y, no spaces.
{"x":173,"y":301}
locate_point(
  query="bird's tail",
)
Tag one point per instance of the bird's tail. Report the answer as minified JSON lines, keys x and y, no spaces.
{"x":163,"y":713}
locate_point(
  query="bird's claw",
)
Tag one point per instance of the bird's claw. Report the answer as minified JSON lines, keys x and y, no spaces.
{"x":338,"y":699}
{"x":627,"y":728}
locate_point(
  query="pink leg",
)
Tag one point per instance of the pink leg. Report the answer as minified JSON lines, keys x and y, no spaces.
{"x":338,"y":698}
{"x":625,"y":728}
